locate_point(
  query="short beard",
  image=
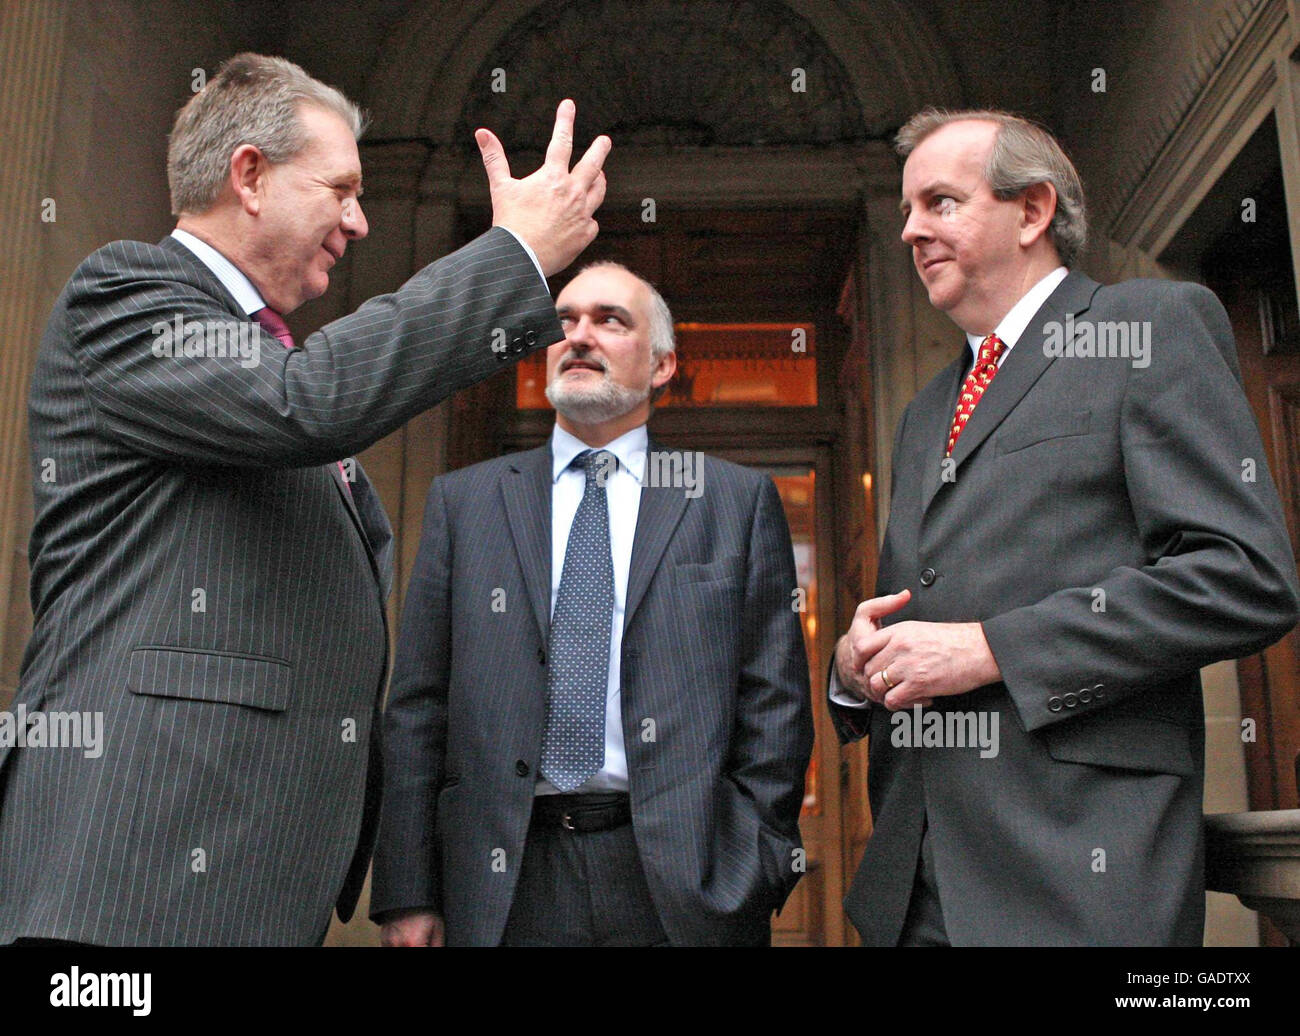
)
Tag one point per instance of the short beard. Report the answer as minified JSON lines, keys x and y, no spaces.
{"x":594,"y":405}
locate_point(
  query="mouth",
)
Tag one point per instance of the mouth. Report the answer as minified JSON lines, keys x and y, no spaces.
{"x":930,"y":264}
{"x":334,"y":256}
{"x":581,"y":365}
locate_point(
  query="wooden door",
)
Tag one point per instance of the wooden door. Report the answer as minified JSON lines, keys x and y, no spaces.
{"x":1257,"y":292}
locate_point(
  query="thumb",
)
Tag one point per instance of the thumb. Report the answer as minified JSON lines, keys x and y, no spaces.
{"x":494,"y":157}
{"x":887,"y":605}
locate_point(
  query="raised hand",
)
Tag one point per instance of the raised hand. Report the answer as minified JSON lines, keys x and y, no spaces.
{"x":552,"y":209}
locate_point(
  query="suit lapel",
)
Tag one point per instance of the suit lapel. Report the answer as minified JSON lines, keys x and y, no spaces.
{"x":348,"y":493}
{"x":660,"y":510}
{"x":372,"y":523}
{"x":213,"y":283}
{"x":526,"y":496}
{"x":1019,"y":371}
{"x":214,"y":286}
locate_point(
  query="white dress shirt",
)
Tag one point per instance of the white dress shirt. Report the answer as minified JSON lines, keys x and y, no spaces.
{"x":1013,"y":325}
{"x":231,"y":277}
{"x":1009,"y":329}
{"x":623,"y":496}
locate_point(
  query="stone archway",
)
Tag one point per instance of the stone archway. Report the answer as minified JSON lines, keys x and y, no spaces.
{"x":890,"y":59}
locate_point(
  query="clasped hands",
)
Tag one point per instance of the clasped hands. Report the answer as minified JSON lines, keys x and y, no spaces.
{"x":551,"y":210}
{"x":911,"y":663}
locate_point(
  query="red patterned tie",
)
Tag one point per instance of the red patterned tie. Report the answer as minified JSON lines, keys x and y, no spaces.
{"x":274,"y":323}
{"x":972,"y":389}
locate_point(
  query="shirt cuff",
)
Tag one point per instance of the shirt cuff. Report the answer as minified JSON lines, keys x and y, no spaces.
{"x":531,"y":254}
{"x":842,"y":697}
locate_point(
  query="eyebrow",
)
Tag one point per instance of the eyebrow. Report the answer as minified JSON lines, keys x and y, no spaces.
{"x":352,"y":179}
{"x":603,"y":309}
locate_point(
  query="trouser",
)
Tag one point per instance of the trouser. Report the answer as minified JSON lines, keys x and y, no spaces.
{"x":581,"y":888}
{"x":924,"y":925}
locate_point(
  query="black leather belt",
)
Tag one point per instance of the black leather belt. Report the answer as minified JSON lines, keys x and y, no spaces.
{"x":583,"y":813}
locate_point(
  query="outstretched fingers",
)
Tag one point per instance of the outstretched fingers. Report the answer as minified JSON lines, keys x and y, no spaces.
{"x":494,"y":157}
{"x":560,"y":149}
{"x":590,"y":165}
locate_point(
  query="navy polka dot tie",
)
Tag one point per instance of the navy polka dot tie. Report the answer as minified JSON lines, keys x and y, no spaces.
{"x":573,"y":747}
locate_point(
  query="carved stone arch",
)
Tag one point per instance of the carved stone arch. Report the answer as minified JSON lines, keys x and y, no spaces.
{"x":426,"y":75}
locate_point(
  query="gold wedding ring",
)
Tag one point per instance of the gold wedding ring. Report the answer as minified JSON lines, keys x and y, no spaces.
{"x":884,"y":675}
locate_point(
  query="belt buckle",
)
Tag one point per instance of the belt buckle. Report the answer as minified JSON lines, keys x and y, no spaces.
{"x":566,"y":822}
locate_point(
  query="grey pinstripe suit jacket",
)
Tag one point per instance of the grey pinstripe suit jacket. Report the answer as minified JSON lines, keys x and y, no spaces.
{"x":201,"y":577}
{"x":713,"y":655}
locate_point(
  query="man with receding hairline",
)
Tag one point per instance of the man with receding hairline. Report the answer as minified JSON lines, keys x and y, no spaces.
{"x":599,"y":720}
{"x":209,"y":566}
{"x":1070,"y":540}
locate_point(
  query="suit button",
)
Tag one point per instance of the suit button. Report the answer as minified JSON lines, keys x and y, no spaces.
{"x":530,"y":337}
{"x":1054,"y":703}
{"x":541,"y":656}
{"x":517,"y":344}
{"x":521,"y":768}
{"x":1098,"y":691}
{"x":1071,"y":699}
{"x":1085,"y":695}
{"x":927,"y":576}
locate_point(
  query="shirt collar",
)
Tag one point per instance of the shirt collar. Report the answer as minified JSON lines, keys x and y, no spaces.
{"x":629,"y":448}
{"x":231,"y":277}
{"x":1013,"y":325}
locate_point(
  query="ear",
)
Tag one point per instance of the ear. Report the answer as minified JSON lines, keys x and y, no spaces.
{"x":1038,"y":206}
{"x":664,"y":370}
{"x":248,"y":170}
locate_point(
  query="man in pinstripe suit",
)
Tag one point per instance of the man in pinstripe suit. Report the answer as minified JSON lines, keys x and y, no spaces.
{"x":680,"y":826}
{"x":206,"y":575}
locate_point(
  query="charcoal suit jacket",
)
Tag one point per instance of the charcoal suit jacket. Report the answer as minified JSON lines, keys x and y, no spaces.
{"x":1114,"y":527}
{"x":203,"y":579}
{"x":715,"y":704}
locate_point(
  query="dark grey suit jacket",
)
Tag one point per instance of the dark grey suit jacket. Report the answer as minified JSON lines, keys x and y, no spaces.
{"x":202,"y":579}
{"x":713,"y":658}
{"x":1098,"y":522}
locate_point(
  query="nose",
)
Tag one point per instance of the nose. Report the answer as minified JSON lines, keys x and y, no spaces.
{"x":580,"y":332}
{"x":915,"y":229}
{"x":353,"y":220}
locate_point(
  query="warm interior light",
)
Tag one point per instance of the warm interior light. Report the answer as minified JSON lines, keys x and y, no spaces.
{"x":724,"y":365}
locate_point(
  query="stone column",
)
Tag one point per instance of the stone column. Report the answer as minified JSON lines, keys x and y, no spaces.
{"x":424,"y":454}
{"x":392,"y":171}
{"x":31,"y":65}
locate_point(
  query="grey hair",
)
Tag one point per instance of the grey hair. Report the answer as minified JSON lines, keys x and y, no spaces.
{"x":1023,"y":154}
{"x":663,"y":339}
{"x":253,"y":99}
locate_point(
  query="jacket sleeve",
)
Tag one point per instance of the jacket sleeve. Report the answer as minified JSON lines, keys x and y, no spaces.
{"x":1218,"y":578}
{"x":406,"y":869}
{"x":772,"y":734}
{"x":349,"y":384}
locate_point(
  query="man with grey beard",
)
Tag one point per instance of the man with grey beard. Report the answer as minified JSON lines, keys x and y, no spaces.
{"x":599,"y":720}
